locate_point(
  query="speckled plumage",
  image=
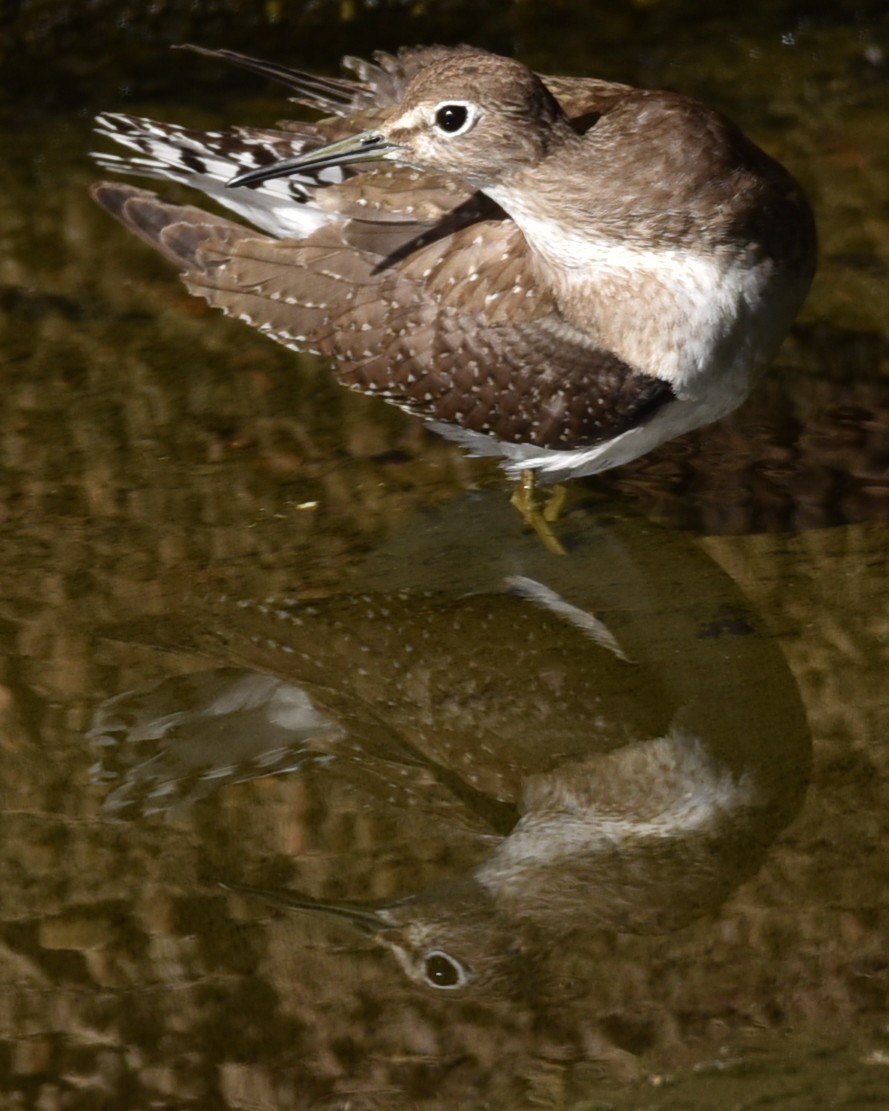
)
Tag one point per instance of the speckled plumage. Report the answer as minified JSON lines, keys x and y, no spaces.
{"x":583,"y":272}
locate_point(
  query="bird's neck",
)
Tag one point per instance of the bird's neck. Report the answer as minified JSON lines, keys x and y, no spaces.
{"x":674,"y":310}
{"x":607,"y":840}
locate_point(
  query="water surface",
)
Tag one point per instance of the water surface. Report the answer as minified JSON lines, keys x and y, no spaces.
{"x":159,"y":466}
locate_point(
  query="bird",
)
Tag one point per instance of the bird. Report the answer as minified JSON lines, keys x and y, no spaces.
{"x":563,"y":272}
{"x":595,"y":793}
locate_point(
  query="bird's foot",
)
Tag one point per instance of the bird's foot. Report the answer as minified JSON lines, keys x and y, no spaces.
{"x":540,"y":512}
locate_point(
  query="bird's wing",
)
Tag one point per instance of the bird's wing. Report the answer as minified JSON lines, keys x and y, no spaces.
{"x":293,"y":206}
{"x":584,"y":99}
{"x":456,"y":329}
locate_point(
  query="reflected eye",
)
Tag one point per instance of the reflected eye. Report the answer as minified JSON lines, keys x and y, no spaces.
{"x":454,"y":118}
{"x":442,"y":971}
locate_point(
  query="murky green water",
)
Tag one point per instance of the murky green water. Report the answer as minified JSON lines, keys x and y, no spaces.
{"x":431,"y":673}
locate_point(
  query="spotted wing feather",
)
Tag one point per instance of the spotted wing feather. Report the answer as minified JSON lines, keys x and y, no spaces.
{"x":441,"y":334}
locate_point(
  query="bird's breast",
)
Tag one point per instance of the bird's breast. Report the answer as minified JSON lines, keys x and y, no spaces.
{"x":685,"y":313}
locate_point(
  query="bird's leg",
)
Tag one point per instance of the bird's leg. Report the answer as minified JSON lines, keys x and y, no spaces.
{"x":527,"y":501}
{"x":555,"y":503}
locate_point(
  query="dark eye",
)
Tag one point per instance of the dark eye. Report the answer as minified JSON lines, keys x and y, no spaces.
{"x":441,"y":971}
{"x":451,"y":117}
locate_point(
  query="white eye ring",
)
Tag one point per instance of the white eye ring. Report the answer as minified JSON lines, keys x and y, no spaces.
{"x":442,"y":971}
{"x":451,"y":118}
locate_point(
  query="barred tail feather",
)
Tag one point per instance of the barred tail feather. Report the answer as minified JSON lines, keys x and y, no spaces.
{"x":206,"y":160}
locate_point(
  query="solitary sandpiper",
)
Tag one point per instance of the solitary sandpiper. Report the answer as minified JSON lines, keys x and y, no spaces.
{"x":585,"y":779}
{"x":565,"y":272}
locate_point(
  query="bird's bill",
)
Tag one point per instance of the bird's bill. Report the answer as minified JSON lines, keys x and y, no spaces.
{"x":365,"y":919}
{"x":367,"y":146}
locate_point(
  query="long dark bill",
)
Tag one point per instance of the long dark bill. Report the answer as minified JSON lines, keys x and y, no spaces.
{"x":367,"y":146}
{"x":363,"y":918}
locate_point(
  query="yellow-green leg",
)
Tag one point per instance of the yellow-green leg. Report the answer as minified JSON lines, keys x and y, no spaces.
{"x":540,"y":513}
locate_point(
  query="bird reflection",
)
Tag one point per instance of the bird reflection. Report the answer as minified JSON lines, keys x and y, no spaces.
{"x":610,"y":780}
{"x":644,"y":841}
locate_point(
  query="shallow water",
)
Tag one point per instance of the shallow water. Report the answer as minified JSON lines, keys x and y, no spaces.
{"x":165,"y":472}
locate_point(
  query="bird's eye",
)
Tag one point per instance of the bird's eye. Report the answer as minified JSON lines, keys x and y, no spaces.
{"x":442,"y":971}
{"x":454,"y":119}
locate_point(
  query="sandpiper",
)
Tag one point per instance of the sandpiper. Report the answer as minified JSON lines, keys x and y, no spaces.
{"x":621,"y":780}
{"x":565,"y":272}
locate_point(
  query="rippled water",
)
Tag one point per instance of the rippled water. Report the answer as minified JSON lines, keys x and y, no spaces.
{"x":360,"y":684}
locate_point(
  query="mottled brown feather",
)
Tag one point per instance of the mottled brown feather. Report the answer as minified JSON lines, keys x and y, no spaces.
{"x":441,"y":335}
